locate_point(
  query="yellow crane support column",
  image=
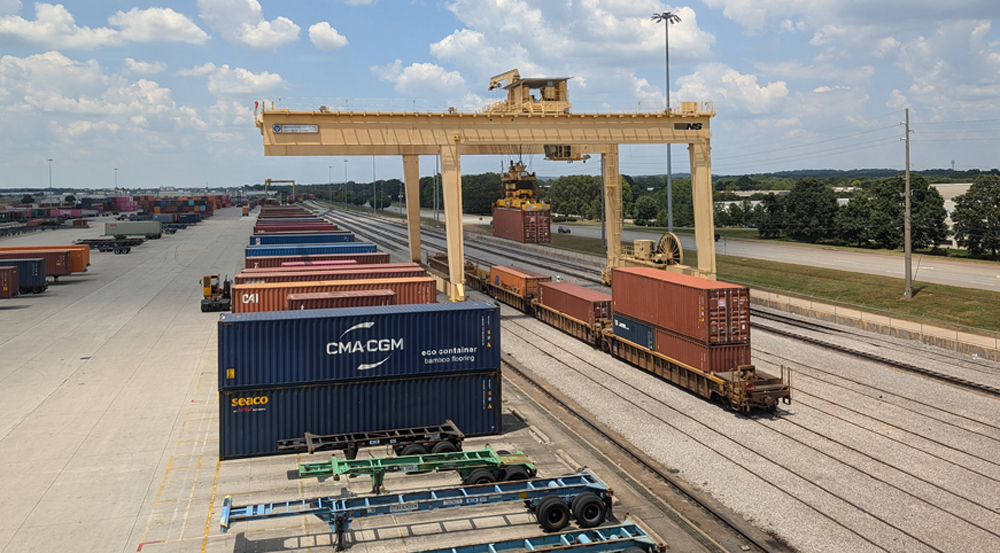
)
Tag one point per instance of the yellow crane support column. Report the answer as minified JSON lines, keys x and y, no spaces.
{"x":612,"y":200}
{"x":451,"y":180}
{"x":411,"y":177}
{"x":704,"y":213}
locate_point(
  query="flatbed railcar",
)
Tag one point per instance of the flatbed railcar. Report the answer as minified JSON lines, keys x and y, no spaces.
{"x":741,"y":390}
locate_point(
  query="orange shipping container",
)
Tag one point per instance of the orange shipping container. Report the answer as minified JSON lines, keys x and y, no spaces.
{"x":251,"y":298}
{"x":522,"y":282}
{"x":336,"y":300}
{"x":704,"y":357}
{"x":79,"y":256}
{"x":277,"y":260}
{"x":324,"y":268}
{"x":360,"y":273}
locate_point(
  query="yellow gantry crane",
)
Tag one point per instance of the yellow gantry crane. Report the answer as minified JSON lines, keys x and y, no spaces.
{"x":269,"y":182}
{"x":535,"y":118}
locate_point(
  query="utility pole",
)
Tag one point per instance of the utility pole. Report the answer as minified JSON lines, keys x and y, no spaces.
{"x":373,"y":185}
{"x":907,"y":248}
{"x":50,"y":175}
{"x":329,"y":179}
{"x":345,"y":184}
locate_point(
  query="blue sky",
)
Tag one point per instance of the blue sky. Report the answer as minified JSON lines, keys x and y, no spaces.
{"x":165,"y":91}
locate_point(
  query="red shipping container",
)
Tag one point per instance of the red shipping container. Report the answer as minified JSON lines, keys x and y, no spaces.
{"x":336,"y":300}
{"x":266,"y":229}
{"x":704,"y":357}
{"x":708,"y":311}
{"x":310,"y":268}
{"x":361,"y":273}
{"x":8,"y":282}
{"x":277,"y":260}
{"x":576,"y":301}
{"x":56,"y":262}
{"x":319,"y":263}
{"x":529,"y":227}
{"x":520,"y":281}
{"x":251,"y":298}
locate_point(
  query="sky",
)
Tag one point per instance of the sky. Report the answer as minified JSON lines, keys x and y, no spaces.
{"x":164,"y":92}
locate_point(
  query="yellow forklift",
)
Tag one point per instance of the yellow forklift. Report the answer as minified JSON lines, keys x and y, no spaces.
{"x":218,"y":296}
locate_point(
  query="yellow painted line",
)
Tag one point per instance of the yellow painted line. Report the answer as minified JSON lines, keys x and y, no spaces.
{"x":211,"y":506}
{"x":156,"y":500}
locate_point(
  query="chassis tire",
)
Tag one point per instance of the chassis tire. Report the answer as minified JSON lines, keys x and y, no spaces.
{"x":414,"y":449}
{"x":589,"y":510}
{"x":552,"y":513}
{"x":480,"y":476}
{"x":444,"y":447}
{"x":516,"y":472}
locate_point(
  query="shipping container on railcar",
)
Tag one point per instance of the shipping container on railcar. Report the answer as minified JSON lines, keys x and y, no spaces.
{"x":271,"y":251}
{"x":362,"y":272}
{"x":250,"y":298}
{"x":585,"y":304}
{"x":252,"y":421}
{"x":519,"y":281}
{"x":339,"y":300}
{"x":30,"y":274}
{"x":277,"y":260}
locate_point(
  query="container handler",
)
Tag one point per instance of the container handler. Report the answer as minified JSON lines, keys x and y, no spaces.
{"x":218,"y":296}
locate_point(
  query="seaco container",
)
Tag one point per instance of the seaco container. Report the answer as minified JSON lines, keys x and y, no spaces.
{"x":332,"y":263}
{"x":252,"y":421}
{"x":324,"y":238}
{"x":30,"y":274}
{"x":522,"y":226}
{"x":8,"y":282}
{"x":522,"y":282}
{"x":252,"y":298}
{"x":633,"y":331}
{"x":56,"y":262}
{"x":704,"y":310}
{"x":360,"y":272}
{"x":338,"y":300}
{"x":313,"y":268}
{"x":352,"y":247}
{"x":276,"y":261}
{"x":589,"y":306}
{"x":709,"y":358}
{"x":359,"y":343}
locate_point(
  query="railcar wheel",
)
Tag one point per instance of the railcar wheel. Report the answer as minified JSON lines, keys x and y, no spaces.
{"x":589,"y":510}
{"x":552,"y":513}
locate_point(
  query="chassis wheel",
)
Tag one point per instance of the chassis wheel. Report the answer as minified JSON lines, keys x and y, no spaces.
{"x":480,"y":476}
{"x":444,"y":447}
{"x":589,"y":510}
{"x":552,"y":513}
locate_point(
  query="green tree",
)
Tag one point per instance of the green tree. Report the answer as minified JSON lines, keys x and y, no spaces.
{"x":575,"y":195}
{"x":852,"y":220}
{"x":927,"y":221}
{"x":976,"y":217}
{"x":646,"y":208}
{"x":810,"y":209}
{"x":27,"y":199}
{"x":771,"y":221}
{"x":480,"y":192}
{"x":722,"y":217}
{"x":71,"y":199}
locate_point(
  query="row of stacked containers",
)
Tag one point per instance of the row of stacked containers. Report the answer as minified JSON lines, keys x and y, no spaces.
{"x":26,"y":269}
{"x":328,"y":336}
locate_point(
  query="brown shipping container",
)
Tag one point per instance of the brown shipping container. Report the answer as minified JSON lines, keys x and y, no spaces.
{"x":576,"y":301}
{"x":520,"y":281}
{"x":708,"y":311}
{"x":277,"y":260}
{"x":522,"y":226}
{"x":8,"y":282}
{"x":251,"y":298}
{"x":362,"y":273}
{"x":79,"y":256}
{"x":288,"y":264}
{"x":332,"y":268}
{"x":276,"y":229}
{"x":704,"y":357}
{"x":336,"y":300}
{"x":56,"y":262}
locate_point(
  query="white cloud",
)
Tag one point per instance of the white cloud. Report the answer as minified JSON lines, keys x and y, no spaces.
{"x":225,"y":82}
{"x":242,"y":23}
{"x":897,"y":100}
{"x":10,"y":7}
{"x":197,"y":71}
{"x":325,"y":37}
{"x":157,"y":24}
{"x":143,"y":67}
{"x":421,"y":80}
{"x":731,"y":90}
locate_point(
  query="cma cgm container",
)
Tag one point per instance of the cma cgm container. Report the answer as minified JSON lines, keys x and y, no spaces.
{"x":633,"y":331}
{"x":361,"y":273}
{"x":254,"y":298}
{"x":312,"y":268}
{"x":338,"y":300}
{"x":252,"y":421}
{"x":578,"y":302}
{"x":521,"y":282}
{"x":56,"y":262}
{"x":710,"y":358}
{"x":325,"y":238}
{"x":522,"y":226}
{"x":360,"y":343}
{"x":30,"y":274}
{"x":277,"y":260}
{"x":270,"y":251}
{"x":8,"y":282}
{"x":704,"y":310}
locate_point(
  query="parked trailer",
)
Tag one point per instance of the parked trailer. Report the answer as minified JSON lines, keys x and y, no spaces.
{"x":404,"y":441}
{"x":483,"y":466}
{"x":79,"y":255}
{"x":56,"y":262}
{"x":122,"y":229}
{"x":621,"y":538}
{"x":122,"y":246}
{"x":30,"y":274}
{"x":553,"y":501}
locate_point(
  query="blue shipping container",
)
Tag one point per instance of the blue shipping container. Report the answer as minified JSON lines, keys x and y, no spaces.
{"x":30,"y":274}
{"x":634,"y":331}
{"x":252,"y":421}
{"x":278,"y":348}
{"x":189,"y":217}
{"x":266,"y":251}
{"x":301,"y":239}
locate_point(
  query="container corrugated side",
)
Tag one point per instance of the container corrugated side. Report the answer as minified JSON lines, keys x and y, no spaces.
{"x":250,"y":298}
{"x":315,"y":268}
{"x":328,"y":345}
{"x":8,"y":282}
{"x":324,"y":238}
{"x":339,"y":300}
{"x":132,"y":228}
{"x":30,"y":272}
{"x":705,"y":310}
{"x":270,"y":251}
{"x":633,"y":331}
{"x":704,"y":357}
{"x":293,"y":264}
{"x":252,"y":421}
{"x":522,"y":282}
{"x":56,"y":262}
{"x":278,"y":229}
{"x":78,"y":256}
{"x":277,"y":260}
{"x":361,"y":273}
{"x":522,"y":226}
{"x":576,"y":301}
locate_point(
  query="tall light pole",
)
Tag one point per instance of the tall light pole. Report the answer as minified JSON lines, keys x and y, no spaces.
{"x":373,"y":185}
{"x":345,"y":184}
{"x":116,"y":177}
{"x":668,"y":18}
{"x":329,"y":180}
{"x":907,"y":247}
{"x":50,"y":175}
